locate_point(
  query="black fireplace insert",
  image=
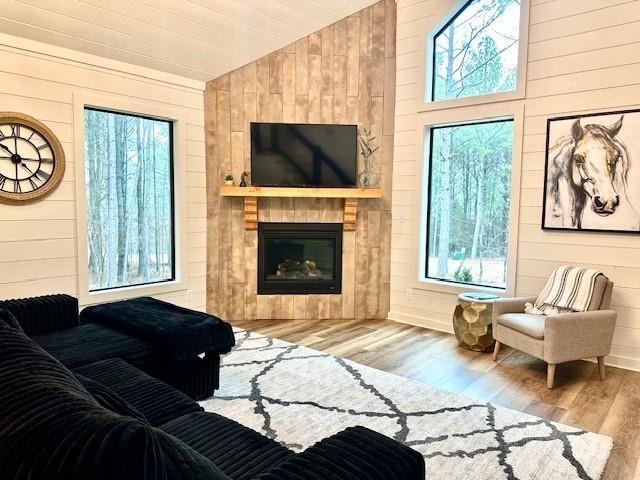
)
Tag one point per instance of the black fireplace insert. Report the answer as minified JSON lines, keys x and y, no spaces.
{"x":298,"y":258}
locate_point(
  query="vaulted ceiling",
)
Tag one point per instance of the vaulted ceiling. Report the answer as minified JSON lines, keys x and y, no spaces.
{"x":198,"y":39}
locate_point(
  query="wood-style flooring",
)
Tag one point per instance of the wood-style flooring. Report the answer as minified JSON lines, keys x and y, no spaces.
{"x":610,"y":407}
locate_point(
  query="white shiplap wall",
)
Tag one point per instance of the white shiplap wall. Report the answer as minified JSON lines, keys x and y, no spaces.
{"x":583,"y":56}
{"x":38,"y":241}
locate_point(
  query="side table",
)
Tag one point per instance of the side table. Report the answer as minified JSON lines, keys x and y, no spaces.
{"x":472,"y":321}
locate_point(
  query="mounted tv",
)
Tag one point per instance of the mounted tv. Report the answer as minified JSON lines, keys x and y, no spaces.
{"x":303,"y":155}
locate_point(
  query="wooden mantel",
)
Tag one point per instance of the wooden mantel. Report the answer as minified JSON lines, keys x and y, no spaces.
{"x":251,"y":194}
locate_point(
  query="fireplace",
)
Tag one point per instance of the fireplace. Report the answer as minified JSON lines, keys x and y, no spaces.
{"x":298,"y":258}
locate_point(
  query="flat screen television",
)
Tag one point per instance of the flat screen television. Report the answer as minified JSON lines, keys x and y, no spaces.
{"x":303,"y":155}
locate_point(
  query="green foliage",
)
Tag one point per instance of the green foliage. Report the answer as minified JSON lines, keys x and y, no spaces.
{"x":463,"y":274}
{"x":470,"y":176}
{"x":479,"y":158}
{"x":482,"y":71}
{"x":477,"y":53}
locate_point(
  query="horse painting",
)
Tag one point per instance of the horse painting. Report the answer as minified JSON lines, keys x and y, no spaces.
{"x":587,"y":178}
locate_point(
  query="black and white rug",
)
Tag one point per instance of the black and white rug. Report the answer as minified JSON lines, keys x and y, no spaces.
{"x":298,"y":396}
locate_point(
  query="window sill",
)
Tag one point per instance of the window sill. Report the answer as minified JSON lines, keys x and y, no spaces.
{"x":453,"y":288}
{"x":490,"y":98}
{"x":124,"y":293}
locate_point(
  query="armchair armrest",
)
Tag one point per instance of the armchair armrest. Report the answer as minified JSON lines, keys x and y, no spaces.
{"x":44,"y":314}
{"x":509,"y":305}
{"x":577,"y":335}
{"x":356,"y":453}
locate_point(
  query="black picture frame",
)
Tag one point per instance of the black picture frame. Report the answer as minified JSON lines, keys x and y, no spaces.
{"x":632,"y":182}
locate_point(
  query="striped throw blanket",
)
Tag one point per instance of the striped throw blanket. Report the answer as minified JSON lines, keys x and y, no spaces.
{"x":569,"y":289}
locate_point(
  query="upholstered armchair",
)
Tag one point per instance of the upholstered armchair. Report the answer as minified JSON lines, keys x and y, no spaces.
{"x":557,"y":338}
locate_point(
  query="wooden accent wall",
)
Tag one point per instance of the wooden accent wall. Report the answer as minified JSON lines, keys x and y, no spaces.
{"x":345,"y":74}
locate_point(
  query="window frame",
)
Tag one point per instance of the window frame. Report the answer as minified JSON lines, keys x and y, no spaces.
{"x":469,"y":115}
{"x":427,"y":80}
{"x":429,"y":154}
{"x":172,"y":199}
{"x":177,"y":118}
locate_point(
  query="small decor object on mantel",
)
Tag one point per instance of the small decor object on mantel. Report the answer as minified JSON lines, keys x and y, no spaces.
{"x":590,"y":162}
{"x":31,"y":159}
{"x":228,"y":180}
{"x":368,"y":178}
{"x":243,"y":178}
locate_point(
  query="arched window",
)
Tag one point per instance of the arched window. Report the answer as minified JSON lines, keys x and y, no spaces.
{"x":476,"y":51}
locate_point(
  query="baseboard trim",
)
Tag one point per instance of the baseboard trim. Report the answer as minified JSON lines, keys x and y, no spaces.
{"x":418,"y":321}
{"x":618,"y":361}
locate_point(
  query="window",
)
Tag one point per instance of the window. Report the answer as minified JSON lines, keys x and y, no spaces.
{"x":129,"y":199}
{"x":476,"y":52}
{"x":469,"y":197}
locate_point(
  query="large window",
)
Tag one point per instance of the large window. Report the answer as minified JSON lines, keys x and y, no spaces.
{"x":129,"y":195}
{"x":476,"y":52}
{"x":468,"y":206}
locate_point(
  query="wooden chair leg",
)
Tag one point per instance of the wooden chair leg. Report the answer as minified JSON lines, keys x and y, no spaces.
{"x":551,"y":373}
{"x":496,"y":350}
{"x":601,"y":367}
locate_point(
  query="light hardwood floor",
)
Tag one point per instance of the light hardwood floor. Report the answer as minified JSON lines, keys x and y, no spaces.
{"x":517,"y":381}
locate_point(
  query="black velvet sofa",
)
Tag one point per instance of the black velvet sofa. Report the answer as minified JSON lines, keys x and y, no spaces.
{"x":110,"y":420}
{"x":77,"y":339}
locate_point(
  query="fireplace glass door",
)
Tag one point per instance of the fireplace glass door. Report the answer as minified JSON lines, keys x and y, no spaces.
{"x":298,"y":258}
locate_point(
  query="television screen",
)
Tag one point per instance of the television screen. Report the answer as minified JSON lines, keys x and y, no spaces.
{"x":301,"y":155}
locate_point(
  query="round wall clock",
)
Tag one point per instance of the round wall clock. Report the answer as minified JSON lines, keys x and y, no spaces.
{"x":31,"y":159}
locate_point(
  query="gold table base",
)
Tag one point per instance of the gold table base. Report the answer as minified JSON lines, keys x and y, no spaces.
{"x":472,"y":323}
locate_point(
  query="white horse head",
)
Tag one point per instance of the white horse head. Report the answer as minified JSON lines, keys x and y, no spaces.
{"x":588,"y":170}
{"x":598,"y":165}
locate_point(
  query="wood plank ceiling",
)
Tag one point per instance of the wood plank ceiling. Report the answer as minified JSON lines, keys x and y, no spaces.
{"x":198,"y":39}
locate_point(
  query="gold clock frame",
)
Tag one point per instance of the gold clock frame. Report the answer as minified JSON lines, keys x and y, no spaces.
{"x":58,"y":156}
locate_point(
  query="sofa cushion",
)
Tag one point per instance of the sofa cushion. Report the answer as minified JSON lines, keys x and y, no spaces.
{"x":240,"y":452}
{"x":9,"y":319}
{"x":528,"y":324}
{"x":44,"y":314}
{"x":356,"y":453}
{"x":178,"y":333}
{"x":92,"y":343}
{"x":51,"y":428}
{"x":157,"y":401}
{"x":109,"y":399}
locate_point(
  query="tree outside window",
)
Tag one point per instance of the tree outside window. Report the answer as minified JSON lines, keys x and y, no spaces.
{"x":129,"y":192}
{"x":469,"y":197}
{"x":476,"y":52}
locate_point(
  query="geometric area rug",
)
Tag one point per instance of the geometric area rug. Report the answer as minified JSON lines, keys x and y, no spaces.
{"x":297,"y":396}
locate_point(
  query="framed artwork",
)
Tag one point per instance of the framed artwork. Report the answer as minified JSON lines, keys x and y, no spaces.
{"x":592,"y":173}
